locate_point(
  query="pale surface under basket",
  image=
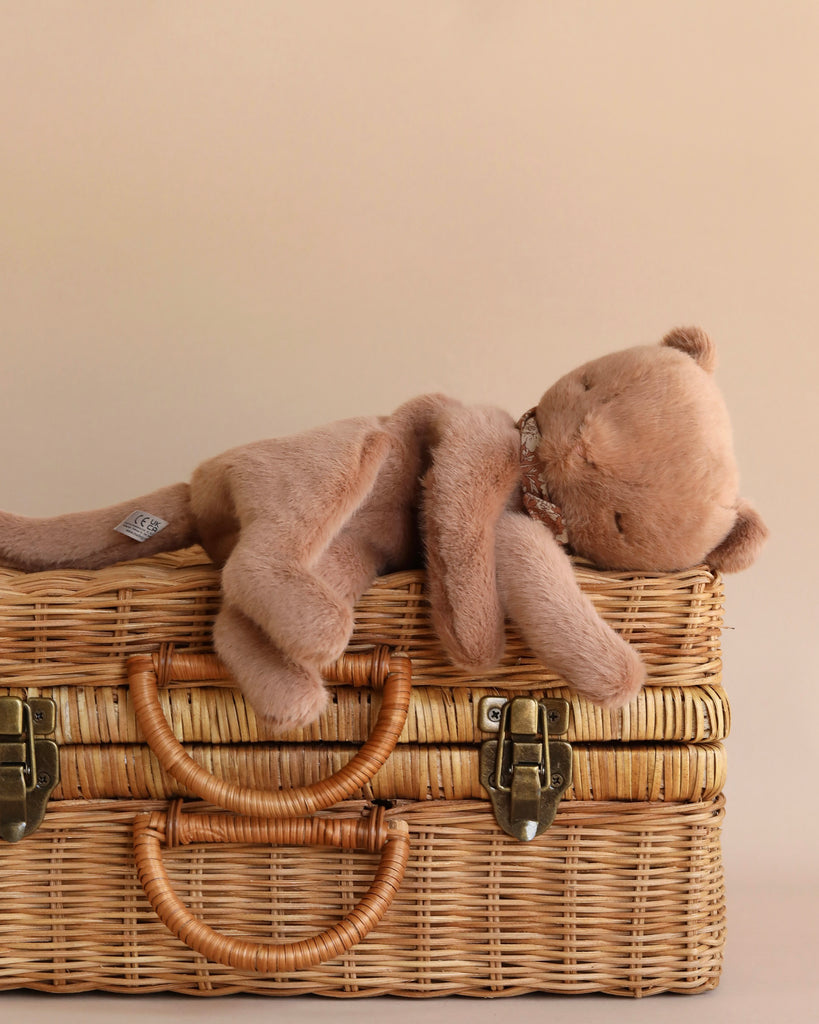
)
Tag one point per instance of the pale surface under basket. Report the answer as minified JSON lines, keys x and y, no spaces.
{"x":619,"y":898}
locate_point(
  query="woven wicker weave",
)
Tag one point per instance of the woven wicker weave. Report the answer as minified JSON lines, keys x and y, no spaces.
{"x":623,"y":893}
{"x":72,"y":626}
{"x":197,"y":714}
{"x":620,"y":898}
{"x":413,"y":772}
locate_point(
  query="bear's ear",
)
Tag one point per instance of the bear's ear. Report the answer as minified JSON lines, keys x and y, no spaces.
{"x":695,"y":343}
{"x":742,"y":545}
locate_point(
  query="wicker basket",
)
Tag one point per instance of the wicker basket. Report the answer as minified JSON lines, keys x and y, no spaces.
{"x":620,"y":898}
{"x":623,"y":893}
{"x":74,"y":627}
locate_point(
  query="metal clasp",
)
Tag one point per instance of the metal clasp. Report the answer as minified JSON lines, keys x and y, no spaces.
{"x":524,"y":770}
{"x":29,"y":765}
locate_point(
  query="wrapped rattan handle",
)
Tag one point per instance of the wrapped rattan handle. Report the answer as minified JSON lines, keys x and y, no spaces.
{"x":175,"y":828}
{"x":378,"y":667}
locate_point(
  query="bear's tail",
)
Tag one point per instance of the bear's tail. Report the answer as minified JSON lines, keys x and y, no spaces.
{"x":90,"y":540}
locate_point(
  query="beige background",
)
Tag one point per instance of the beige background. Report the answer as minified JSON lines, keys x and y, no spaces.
{"x":220,"y":222}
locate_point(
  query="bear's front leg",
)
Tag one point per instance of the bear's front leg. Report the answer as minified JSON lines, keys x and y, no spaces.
{"x":305,"y":610}
{"x":309,"y":618}
{"x":557,"y":620}
{"x":297,"y":609}
{"x":475,"y":467}
{"x":283,"y":691}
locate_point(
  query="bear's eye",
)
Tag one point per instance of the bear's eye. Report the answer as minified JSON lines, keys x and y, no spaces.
{"x":618,"y":521}
{"x":587,"y":384}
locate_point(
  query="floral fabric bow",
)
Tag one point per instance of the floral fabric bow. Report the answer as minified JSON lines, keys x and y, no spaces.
{"x":535,"y":493}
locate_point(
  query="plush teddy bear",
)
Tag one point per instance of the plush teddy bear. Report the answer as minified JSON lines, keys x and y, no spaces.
{"x":626,"y":461}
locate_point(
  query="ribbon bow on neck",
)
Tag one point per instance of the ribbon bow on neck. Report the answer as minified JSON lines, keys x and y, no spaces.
{"x":536,"y":498}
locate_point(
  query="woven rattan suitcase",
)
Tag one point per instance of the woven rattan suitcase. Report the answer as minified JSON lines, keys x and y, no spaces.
{"x":433,"y":833}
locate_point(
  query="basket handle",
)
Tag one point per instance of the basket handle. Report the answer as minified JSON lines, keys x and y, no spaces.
{"x":378,"y":667}
{"x":174,"y":828}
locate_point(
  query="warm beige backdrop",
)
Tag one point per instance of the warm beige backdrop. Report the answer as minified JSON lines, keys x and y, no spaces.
{"x":224,"y":221}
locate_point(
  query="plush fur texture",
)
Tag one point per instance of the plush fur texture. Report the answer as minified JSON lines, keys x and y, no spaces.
{"x":636,"y":449}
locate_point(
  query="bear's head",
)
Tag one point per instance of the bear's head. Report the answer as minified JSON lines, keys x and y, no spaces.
{"x":636,"y":449}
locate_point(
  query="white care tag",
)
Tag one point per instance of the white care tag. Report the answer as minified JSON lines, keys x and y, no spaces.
{"x":141,"y":525}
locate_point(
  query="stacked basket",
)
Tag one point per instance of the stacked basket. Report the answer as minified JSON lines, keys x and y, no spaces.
{"x":187,"y":847}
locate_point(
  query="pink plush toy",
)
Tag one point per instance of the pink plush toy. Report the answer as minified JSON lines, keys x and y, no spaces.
{"x":626,"y":461}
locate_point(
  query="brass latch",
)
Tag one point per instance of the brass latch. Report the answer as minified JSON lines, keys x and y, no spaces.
{"x":524,"y":770}
{"x":29,"y":765}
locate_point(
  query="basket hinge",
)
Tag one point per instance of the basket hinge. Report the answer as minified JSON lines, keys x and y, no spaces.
{"x":524,"y":770}
{"x":29,"y":764}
